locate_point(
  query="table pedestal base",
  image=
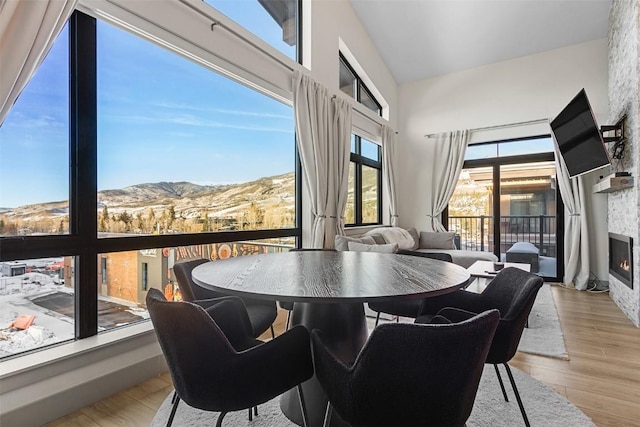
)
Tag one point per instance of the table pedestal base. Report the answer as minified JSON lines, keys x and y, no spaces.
{"x":344,"y":326}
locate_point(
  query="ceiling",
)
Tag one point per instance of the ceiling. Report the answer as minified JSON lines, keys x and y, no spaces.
{"x":418,"y":39}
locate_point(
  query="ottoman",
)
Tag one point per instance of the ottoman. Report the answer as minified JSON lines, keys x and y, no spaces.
{"x":524,"y":252}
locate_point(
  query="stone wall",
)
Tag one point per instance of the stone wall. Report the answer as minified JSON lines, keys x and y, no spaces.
{"x":624,"y":88}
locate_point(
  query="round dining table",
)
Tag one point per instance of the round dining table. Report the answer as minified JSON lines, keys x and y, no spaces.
{"x":328,"y":289}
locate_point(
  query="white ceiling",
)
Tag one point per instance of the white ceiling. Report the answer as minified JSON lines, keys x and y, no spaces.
{"x":418,"y":39}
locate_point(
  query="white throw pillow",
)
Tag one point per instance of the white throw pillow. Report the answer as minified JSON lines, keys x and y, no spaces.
{"x":437,"y":240}
{"x":398,"y":235}
{"x":383,"y":249}
{"x":341,"y":242}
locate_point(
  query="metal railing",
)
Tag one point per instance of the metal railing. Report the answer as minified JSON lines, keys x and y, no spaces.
{"x":476,"y":232}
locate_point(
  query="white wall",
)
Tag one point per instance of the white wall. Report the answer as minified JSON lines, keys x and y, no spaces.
{"x":528,"y":88}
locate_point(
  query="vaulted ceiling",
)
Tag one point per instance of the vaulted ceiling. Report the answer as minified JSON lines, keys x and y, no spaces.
{"x":418,"y":39}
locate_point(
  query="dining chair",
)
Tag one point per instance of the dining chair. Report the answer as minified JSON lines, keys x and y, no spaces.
{"x":288,"y":305}
{"x":406,"y":308}
{"x":261,"y":313}
{"x":512,"y":292}
{"x":433,"y":384}
{"x":214,"y":360}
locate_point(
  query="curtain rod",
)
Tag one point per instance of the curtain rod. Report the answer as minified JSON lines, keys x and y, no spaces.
{"x":507,"y":125}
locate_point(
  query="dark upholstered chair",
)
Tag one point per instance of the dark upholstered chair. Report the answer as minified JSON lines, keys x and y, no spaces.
{"x":262,"y":314}
{"x":214,"y":361}
{"x":406,"y":308}
{"x":434,"y":383}
{"x":512,"y":292}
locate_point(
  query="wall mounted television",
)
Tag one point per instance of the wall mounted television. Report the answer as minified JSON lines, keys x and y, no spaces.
{"x":579,"y":138}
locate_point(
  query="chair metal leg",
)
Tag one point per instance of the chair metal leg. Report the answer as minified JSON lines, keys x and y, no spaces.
{"x":255,"y":411}
{"x":377,"y":318}
{"x":273,"y":334}
{"x":515,"y":390}
{"x":327,"y":415}
{"x":286,"y":327}
{"x":175,"y":399}
{"x":504,"y":392}
{"x":220,"y":417}
{"x":250,"y":414}
{"x":303,"y":407}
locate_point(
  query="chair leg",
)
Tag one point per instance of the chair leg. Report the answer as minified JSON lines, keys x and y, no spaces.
{"x":504,"y":392}
{"x":273,"y":334}
{"x":255,"y":411}
{"x":515,"y":390}
{"x":250,"y":414}
{"x":220,"y":417}
{"x":175,"y":399}
{"x":377,"y":319}
{"x":327,"y":415}
{"x":303,"y":407}
{"x":286,"y":327}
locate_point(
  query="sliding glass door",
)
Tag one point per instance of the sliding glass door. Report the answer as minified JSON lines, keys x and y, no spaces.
{"x":504,"y":198}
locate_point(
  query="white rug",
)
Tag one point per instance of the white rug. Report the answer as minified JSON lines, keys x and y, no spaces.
{"x":544,"y":335}
{"x":544,"y":407}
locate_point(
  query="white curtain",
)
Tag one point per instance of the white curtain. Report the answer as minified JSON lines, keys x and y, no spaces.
{"x":448,"y":157}
{"x":576,"y":232}
{"x":323,"y":129}
{"x":28,"y":29}
{"x":388,"y":162}
{"x":339,"y":178}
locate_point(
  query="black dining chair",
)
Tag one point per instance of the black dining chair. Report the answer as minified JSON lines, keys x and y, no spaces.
{"x":214,"y":360}
{"x":512,"y":292}
{"x":434,"y":383}
{"x":262,"y":314}
{"x":406,"y":308}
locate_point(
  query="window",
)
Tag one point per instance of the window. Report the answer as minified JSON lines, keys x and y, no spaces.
{"x":365,"y":176}
{"x":34,"y":148}
{"x":274,"y":21}
{"x":353,"y":86}
{"x":132,"y":120}
{"x":187,"y":151}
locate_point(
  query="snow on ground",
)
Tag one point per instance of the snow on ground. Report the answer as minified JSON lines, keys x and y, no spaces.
{"x":49,"y":327}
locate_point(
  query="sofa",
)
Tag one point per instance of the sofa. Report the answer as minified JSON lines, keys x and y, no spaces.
{"x":392,"y":239}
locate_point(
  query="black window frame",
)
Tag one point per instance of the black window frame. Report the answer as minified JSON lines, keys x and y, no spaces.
{"x":360,"y":86}
{"x":359,"y":161}
{"x":82,"y":242}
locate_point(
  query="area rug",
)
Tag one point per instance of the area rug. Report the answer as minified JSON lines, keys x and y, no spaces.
{"x":543,"y":405}
{"x":544,"y":335}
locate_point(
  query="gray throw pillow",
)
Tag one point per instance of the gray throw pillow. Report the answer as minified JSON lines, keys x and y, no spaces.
{"x":391,"y":248}
{"x":437,"y":240}
{"x":341,"y":242}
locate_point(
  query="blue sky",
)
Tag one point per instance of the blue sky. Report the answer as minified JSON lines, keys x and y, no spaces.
{"x":160,"y":118}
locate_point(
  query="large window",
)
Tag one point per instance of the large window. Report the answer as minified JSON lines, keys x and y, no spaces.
{"x":188,"y":150}
{"x":365,"y":177}
{"x":116,"y":137}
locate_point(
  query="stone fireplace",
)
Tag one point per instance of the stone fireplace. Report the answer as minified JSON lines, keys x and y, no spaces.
{"x":621,"y":258}
{"x":624,"y":205}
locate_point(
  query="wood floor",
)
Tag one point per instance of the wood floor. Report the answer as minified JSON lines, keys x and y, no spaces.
{"x":602,"y":376}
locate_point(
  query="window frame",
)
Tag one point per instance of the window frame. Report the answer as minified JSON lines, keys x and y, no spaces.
{"x":359,"y":86}
{"x":82,"y":242}
{"x":359,"y":161}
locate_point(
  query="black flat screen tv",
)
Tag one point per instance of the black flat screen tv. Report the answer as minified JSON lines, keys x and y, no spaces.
{"x":578,"y":137}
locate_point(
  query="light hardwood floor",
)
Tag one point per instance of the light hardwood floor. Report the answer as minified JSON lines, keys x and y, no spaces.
{"x":602,"y":376}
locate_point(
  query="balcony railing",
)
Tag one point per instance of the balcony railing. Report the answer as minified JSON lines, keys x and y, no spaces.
{"x":476,"y":232}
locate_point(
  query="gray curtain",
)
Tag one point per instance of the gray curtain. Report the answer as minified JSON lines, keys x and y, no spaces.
{"x":388,"y":162}
{"x":323,"y":129}
{"x":448,"y":156}
{"x":576,"y":231}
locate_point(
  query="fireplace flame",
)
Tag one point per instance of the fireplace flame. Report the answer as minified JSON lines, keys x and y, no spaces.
{"x":625,"y":265}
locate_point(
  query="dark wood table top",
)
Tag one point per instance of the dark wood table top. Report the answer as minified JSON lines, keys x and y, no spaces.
{"x":327,"y":276}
